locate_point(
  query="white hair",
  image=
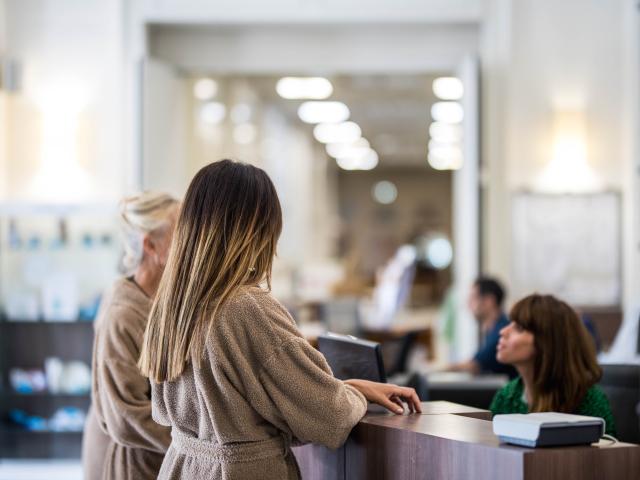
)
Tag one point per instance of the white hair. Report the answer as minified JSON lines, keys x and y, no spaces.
{"x":142,"y":214}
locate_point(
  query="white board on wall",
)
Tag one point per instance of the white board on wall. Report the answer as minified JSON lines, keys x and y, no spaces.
{"x":569,"y":246}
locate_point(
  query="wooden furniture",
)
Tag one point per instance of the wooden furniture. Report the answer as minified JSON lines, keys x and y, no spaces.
{"x":27,"y":345}
{"x":420,"y":322}
{"x":424,"y":337}
{"x":450,"y":441}
{"x":607,"y":321}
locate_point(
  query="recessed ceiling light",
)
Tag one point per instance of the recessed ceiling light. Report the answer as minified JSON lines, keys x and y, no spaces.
{"x":445,"y":158}
{"x":358,"y":159}
{"x":323,"y":112}
{"x":445,"y":132}
{"x":205,"y":89}
{"x":345,"y":132}
{"x":385,"y":192}
{"x":336,"y":150}
{"x":296,"y":88}
{"x":447,"y":112}
{"x":369,"y":161}
{"x":448,"y":88}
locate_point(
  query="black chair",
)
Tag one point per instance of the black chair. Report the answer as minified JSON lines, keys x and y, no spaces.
{"x":621,"y":383}
{"x":477,"y":392}
{"x":396,"y":352}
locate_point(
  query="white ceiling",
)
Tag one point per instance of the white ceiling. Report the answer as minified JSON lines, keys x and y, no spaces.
{"x":393,"y":111}
{"x":309,"y":11}
{"x":381,"y":48}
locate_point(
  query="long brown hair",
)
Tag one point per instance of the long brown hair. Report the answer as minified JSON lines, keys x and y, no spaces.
{"x":225,"y":238}
{"x":565,"y":364}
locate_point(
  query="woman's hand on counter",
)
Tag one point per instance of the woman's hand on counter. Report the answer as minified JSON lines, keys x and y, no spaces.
{"x":388,"y":395}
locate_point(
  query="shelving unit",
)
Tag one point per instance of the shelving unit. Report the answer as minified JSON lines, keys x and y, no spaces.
{"x":37,"y":242}
{"x":27,"y":345}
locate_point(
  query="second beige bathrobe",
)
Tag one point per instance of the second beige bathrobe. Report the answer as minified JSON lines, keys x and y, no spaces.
{"x":122,"y":442}
{"x":261,"y":388}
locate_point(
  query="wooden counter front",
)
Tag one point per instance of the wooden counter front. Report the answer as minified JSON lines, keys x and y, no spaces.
{"x":450,"y":441}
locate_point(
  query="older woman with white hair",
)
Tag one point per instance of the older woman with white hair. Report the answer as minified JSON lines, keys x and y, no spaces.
{"x":121,"y":440}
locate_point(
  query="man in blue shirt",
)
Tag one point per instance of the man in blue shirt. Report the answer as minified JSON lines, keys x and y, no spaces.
{"x":485,"y":302}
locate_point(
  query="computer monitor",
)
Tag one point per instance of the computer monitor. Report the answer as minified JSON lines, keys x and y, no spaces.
{"x":392,"y":289}
{"x":351,"y":357}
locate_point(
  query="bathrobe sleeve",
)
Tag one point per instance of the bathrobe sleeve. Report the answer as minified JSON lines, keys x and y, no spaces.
{"x":121,"y":391}
{"x":301,"y":392}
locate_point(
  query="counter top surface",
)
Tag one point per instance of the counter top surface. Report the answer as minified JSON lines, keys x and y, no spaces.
{"x":453,"y":441}
{"x":461,"y":423}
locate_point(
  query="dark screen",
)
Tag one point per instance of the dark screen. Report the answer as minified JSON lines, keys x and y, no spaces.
{"x":350,"y":357}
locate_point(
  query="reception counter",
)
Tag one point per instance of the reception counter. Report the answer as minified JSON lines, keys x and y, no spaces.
{"x":451,"y":441}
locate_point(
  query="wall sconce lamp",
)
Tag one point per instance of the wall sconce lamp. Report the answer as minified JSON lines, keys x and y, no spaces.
{"x":568,"y":170}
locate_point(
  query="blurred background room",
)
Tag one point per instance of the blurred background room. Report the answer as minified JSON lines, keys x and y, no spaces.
{"x":415,"y":145}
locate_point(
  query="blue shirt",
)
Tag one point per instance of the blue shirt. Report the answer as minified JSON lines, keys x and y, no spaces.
{"x":486,"y":356}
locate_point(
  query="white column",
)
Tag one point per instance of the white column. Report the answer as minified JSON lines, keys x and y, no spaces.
{"x":495,"y":41}
{"x":466,"y":212}
{"x":631,"y":153}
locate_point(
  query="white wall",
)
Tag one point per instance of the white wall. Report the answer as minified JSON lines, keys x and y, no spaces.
{"x":288,"y":157}
{"x":565,"y":55}
{"x":3,"y":120}
{"x":494,"y":65}
{"x":165,"y":153}
{"x":631,"y":157}
{"x":315,"y":48}
{"x":541,"y":57}
{"x":64,"y":133}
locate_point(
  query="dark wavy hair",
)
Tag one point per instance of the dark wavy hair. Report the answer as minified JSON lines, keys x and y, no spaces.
{"x":565,"y":364}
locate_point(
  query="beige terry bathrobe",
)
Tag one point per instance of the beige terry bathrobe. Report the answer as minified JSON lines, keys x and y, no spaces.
{"x":122,"y":442}
{"x":260,"y":388}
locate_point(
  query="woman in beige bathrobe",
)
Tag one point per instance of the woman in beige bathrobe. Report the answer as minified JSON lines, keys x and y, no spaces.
{"x":231,"y":374}
{"x":121,"y":440}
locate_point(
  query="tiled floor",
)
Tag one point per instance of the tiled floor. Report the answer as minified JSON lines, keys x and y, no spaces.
{"x":40,"y":470}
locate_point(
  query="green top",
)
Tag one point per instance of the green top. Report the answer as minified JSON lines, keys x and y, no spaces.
{"x":510,"y":399}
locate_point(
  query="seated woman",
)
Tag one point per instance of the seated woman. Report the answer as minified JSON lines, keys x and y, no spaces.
{"x":555,"y":358}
